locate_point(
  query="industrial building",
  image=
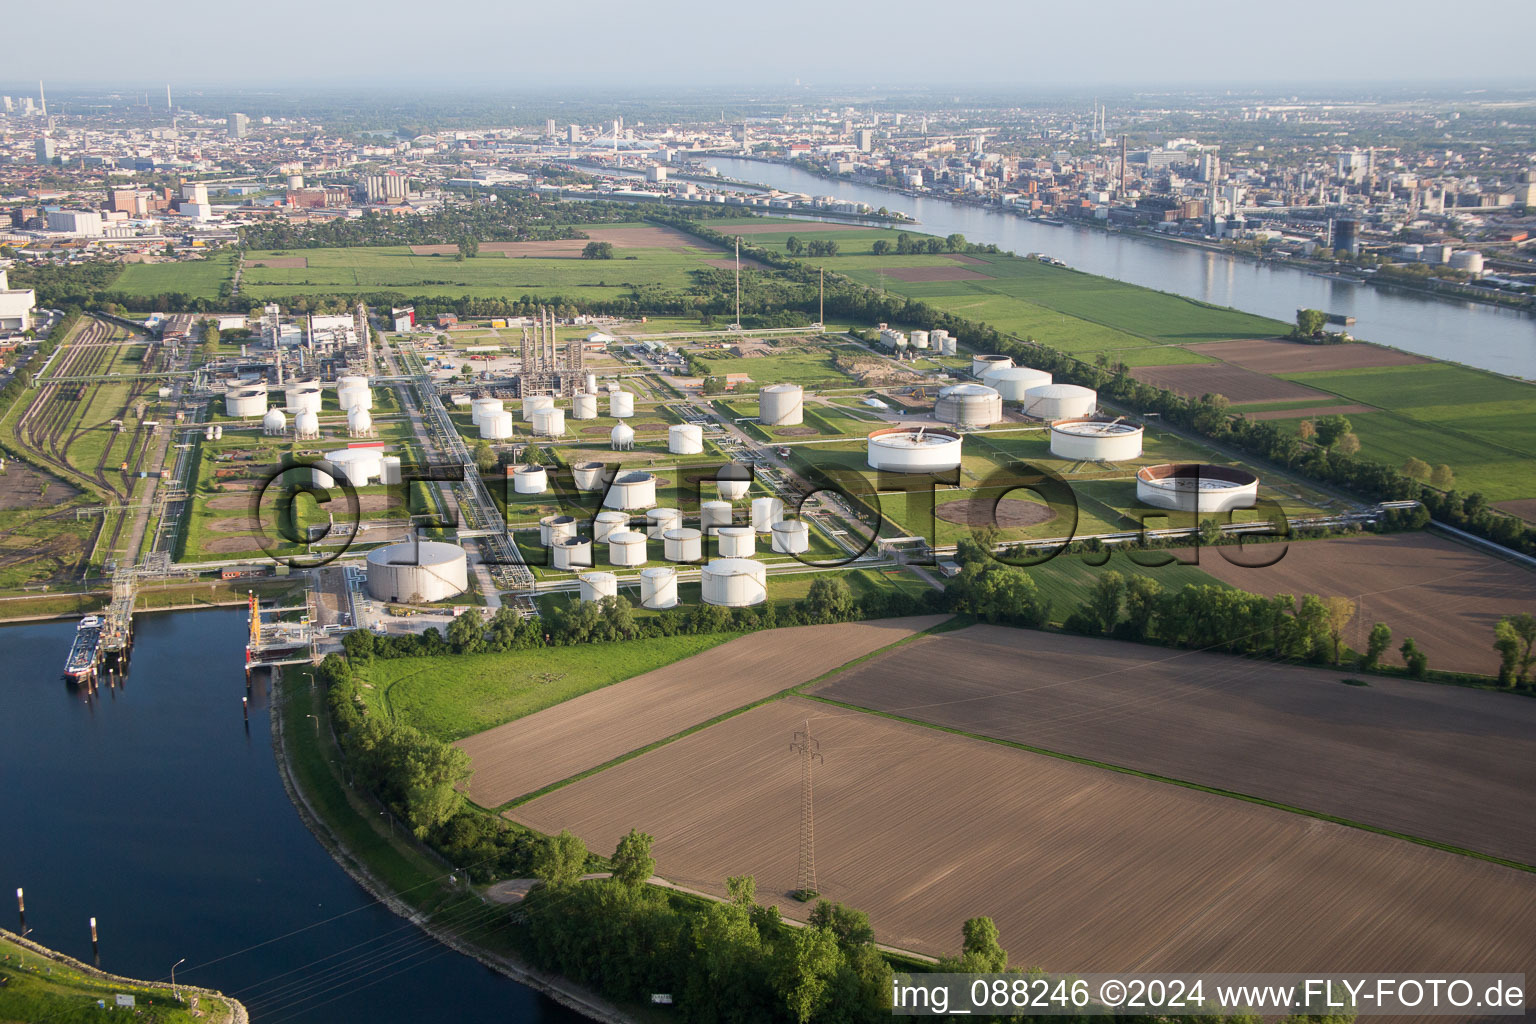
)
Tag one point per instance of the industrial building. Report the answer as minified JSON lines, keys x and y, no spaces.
{"x":16,"y":305}
{"x":417,"y":571}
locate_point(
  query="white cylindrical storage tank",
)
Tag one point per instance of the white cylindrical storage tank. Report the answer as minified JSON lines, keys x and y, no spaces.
{"x":359,"y":421}
{"x":494,"y":426}
{"x":782,"y":405}
{"x":685,"y":439}
{"x":791,"y":536}
{"x":981,"y":364}
{"x":632,"y":489}
{"x":243,"y":402}
{"x":735,"y":582}
{"x":274,"y":422}
{"x":351,"y":380}
{"x":584,"y":407}
{"x":627,"y":548}
{"x":766,"y":512}
{"x":553,"y":529}
{"x":608,"y":521}
{"x":353,"y":389}
{"x":588,"y":476}
{"x":208,"y":433}
{"x":714,"y":514}
{"x":218,"y":432}
{"x":914,"y":450}
{"x":391,"y":464}
{"x":682,"y":545}
{"x":733,"y":482}
{"x":1096,"y":439}
{"x":417,"y":571}
{"x":321,"y":478}
{"x":660,"y":520}
{"x":951,"y":347}
{"x":549,"y":422}
{"x":299,"y":397}
{"x":597,"y":585}
{"x":1060,"y":401}
{"x":481,"y":407}
{"x":1190,"y":487}
{"x":622,"y":437}
{"x":571,"y":553}
{"x":736,"y":541}
{"x":1012,"y":382}
{"x":592,"y":384}
{"x":1469,"y":260}
{"x":968,"y":405}
{"x":621,"y":404}
{"x":919,"y":339}
{"x":940,"y":340}
{"x":530,"y":480}
{"x":306,"y":424}
{"x":360,"y":465}
{"x":533,"y":403}
{"x":658,"y":588}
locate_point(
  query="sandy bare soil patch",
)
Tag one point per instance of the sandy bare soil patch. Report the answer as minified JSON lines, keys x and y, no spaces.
{"x":1524,"y":508}
{"x":1011,"y":513}
{"x":226,"y":545}
{"x":522,"y":756}
{"x":1238,"y":384}
{"x":281,"y":262}
{"x":1445,"y":595}
{"x":774,"y":229}
{"x":21,"y":486}
{"x":1310,"y":412}
{"x":917,"y":275}
{"x":1276,"y":355}
{"x":1082,"y":869}
{"x":1424,"y":759}
{"x":234,"y":524}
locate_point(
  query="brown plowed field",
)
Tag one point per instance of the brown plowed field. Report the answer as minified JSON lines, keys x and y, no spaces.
{"x":1276,"y":355}
{"x":1310,"y":412}
{"x":962,"y":258}
{"x":1445,"y":595}
{"x":1081,"y":868}
{"x":1424,"y":759}
{"x":1524,"y":508}
{"x":520,"y":757}
{"x":1011,"y":513}
{"x":1239,"y":385}
{"x":916,"y":275}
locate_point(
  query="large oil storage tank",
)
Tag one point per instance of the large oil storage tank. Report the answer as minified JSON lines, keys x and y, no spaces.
{"x":533,"y":403}
{"x":627,"y":548}
{"x":766,"y":512}
{"x":246,"y":401}
{"x":631,"y":489}
{"x":530,"y":480}
{"x":301,"y":396}
{"x":588,"y":475}
{"x":556,"y":528}
{"x":713,"y":514}
{"x":549,"y":422}
{"x":353,"y":389}
{"x":919,"y":340}
{"x":417,"y":571}
{"x":482,"y":407}
{"x":658,"y":587}
{"x":274,"y":422}
{"x":736,"y":541}
{"x":1096,"y":439}
{"x":791,"y":536}
{"x":733,"y":482}
{"x":359,"y":465}
{"x":359,"y":421}
{"x":913,"y":450}
{"x":621,"y":404}
{"x":1060,"y":401}
{"x":496,"y":426}
{"x":1191,"y":487}
{"x":980,"y":364}
{"x":391,"y":464}
{"x":734,"y":582}
{"x":968,"y":406}
{"x":306,"y":424}
{"x":942,"y":343}
{"x":781,"y":405}
{"x":597,"y":585}
{"x":1013,"y":382}
{"x":622,"y":437}
{"x":571,"y":553}
{"x":685,"y":439}
{"x":660,"y":520}
{"x":682,"y":545}
{"x":584,"y":407}
{"x":591,"y":384}
{"x":608,"y":521}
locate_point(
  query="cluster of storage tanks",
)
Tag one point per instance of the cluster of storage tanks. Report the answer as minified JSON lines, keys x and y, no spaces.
{"x":302,"y":400}
{"x":359,"y":467}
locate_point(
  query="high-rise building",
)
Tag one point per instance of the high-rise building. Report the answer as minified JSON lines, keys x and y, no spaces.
{"x":572,"y":134}
{"x":549,"y":127}
{"x":45,"y":150}
{"x":866,"y":140}
{"x":239,"y":126}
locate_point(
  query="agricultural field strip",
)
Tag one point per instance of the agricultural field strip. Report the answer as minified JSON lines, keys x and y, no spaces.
{"x":1082,"y":869}
{"x":528,"y":754}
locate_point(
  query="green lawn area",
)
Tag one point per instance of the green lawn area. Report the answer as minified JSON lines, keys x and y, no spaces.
{"x":798,"y":361}
{"x":38,"y":988}
{"x":197,"y":278}
{"x":456,"y":696}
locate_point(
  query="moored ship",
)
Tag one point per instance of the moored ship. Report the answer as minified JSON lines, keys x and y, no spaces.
{"x":81,"y":663}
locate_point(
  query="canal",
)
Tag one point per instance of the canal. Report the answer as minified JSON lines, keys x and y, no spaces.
{"x":154,"y":809}
{"x":1490,"y":337}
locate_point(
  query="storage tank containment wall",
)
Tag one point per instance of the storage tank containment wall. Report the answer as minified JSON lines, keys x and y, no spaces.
{"x":1195,"y":488}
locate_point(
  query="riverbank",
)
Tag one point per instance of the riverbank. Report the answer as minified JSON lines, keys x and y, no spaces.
{"x":53,"y":607}
{"x":403,"y":876}
{"x":44,"y":984}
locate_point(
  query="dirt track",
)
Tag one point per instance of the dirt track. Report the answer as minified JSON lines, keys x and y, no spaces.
{"x":1425,"y":759}
{"x":520,"y":757}
{"x":1082,"y":869}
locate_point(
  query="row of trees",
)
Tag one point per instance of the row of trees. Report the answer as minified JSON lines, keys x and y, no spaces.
{"x":815,"y":247}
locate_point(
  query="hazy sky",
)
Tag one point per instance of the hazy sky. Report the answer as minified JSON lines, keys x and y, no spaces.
{"x":522,"y":44}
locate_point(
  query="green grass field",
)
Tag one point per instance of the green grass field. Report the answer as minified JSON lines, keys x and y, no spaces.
{"x":1067,"y":579}
{"x":454,"y":697}
{"x":197,"y":278}
{"x":38,"y":988}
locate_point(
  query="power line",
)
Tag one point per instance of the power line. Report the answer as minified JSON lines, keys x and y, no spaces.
{"x":810,"y":752}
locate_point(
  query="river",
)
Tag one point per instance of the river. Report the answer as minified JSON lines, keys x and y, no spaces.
{"x":155,"y":810}
{"x":1490,"y":337}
